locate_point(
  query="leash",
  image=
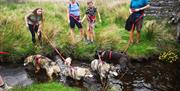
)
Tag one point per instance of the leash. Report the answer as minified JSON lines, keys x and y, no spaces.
{"x":133,"y":26}
{"x":100,"y":59}
{"x":53,"y":46}
{"x":4,"y":52}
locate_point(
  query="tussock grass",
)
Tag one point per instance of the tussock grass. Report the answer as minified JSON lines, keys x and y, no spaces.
{"x":110,"y":34}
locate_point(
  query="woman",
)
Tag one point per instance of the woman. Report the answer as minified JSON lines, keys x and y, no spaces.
{"x":137,"y":8}
{"x":73,"y":15}
{"x":34,"y":22}
{"x":91,"y":17}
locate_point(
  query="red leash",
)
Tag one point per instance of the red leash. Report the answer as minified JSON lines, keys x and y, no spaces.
{"x":4,"y":52}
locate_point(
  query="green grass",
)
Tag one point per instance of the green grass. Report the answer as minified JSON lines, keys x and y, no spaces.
{"x":110,"y":34}
{"x":53,"y":86}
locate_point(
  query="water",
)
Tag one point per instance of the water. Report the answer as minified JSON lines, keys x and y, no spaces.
{"x":151,"y":75}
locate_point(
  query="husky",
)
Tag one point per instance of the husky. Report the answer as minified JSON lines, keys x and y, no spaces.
{"x":103,"y":69}
{"x":42,"y":62}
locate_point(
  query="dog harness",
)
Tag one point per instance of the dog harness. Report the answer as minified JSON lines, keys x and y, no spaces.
{"x":37,"y":60}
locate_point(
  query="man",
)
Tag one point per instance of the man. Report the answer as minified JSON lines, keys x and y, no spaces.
{"x":137,"y":8}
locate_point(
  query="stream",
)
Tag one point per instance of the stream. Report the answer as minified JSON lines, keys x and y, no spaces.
{"x":150,"y":75}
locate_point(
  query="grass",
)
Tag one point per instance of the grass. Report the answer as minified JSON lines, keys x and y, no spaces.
{"x":52,"y":86}
{"x":110,"y":34}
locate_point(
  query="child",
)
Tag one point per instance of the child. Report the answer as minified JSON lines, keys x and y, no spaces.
{"x":73,"y":15}
{"x":91,"y":17}
{"x":34,"y":22}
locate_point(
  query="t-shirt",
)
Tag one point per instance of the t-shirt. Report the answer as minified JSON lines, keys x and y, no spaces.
{"x":74,"y":9}
{"x":91,"y":11}
{"x":138,"y":3}
{"x":135,"y":4}
{"x":32,"y":19}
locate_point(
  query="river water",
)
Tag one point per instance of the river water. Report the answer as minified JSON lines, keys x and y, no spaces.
{"x":150,"y":75}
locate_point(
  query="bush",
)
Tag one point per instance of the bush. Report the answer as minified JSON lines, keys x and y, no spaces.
{"x":168,"y":57}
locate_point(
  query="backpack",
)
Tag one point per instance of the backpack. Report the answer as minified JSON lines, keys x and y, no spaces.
{"x":70,"y":5}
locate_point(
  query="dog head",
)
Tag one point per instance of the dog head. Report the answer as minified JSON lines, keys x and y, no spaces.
{"x":112,"y":71}
{"x":56,"y":68}
{"x":98,"y":52}
{"x":28,"y":60}
{"x":88,"y":73}
{"x":94,"y":64}
{"x":68,"y":61}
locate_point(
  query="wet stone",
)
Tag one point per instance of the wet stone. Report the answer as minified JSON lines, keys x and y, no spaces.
{"x":15,"y":76}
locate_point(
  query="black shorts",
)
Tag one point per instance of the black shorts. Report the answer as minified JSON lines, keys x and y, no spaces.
{"x":75,"y":21}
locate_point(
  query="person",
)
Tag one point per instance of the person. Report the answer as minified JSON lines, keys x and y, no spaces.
{"x":137,"y":8}
{"x":34,"y":22}
{"x":73,"y":16}
{"x":91,"y":17}
{"x":3,"y":85}
{"x":177,"y":22}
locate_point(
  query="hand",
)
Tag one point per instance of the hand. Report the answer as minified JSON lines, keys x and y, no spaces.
{"x":100,"y":20}
{"x":136,"y":10}
{"x":39,"y":31}
{"x":130,"y":11}
{"x":27,"y":25}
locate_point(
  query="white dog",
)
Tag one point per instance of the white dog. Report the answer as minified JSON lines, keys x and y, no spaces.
{"x":103,"y":69}
{"x":76,"y":73}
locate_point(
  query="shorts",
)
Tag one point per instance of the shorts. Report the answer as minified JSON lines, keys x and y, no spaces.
{"x":91,"y":24}
{"x":138,"y":25}
{"x":75,"y":20}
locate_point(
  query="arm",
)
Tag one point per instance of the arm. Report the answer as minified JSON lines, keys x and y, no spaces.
{"x":99,"y":17}
{"x":142,"y":8}
{"x":84,"y":18}
{"x":68,"y":15}
{"x":40,"y":26}
{"x":26,"y":19}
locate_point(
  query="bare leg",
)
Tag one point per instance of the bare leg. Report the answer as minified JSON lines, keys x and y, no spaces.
{"x":138,"y":37}
{"x":131,"y":36}
{"x":88,"y":34}
{"x":72,"y":34}
{"x":1,"y":81}
{"x":91,"y":34}
{"x":81,"y":33}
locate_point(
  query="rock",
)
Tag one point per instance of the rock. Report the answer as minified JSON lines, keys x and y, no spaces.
{"x":15,"y":76}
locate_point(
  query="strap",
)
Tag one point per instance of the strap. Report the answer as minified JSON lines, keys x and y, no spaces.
{"x":133,"y":26}
{"x":110,"y":55}
{"x":75,"y":17}
{"x":37,"y":60}
{"x":4,"y":53}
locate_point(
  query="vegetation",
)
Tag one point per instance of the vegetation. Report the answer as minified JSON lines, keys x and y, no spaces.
{"x":110,"y":34}
{"x":53,"y":86}
{"x":168,"y":57}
